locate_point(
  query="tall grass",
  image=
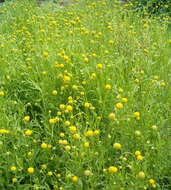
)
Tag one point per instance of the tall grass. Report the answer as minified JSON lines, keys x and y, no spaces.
{"x":85,"y":97}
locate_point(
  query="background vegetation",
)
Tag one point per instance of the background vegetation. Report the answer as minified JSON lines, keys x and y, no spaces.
{"x":85,"y":97}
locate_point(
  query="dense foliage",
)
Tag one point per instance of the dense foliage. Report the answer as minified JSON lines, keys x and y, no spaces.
{"x":85,"y":97}
{"x":153,"y":6}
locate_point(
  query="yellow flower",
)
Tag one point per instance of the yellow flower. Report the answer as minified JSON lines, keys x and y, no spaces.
{"x":119,"y":105}
{"x":154,"y":127}
{"x":84,"y":83}
{"x":136,"y":114}
{"x":44,"y":166}
{"x":74,"y":179}
{"x":54,"y":92}
{"x":29,"y":153}
{"x":99,"y":66}
{"x":137,"y":80}
{"x":86,"y":59}
{"x":87,"y":105}
{"x":2,"y":93}
{"x":52,"y":121}
{"x":140,"y":158}
{"x":153,"y":185}
{"x":137,"y":153}
{"x":108,"y":87}
{"x":49,"y":146}
{"x":94,"y":55}
{"x":4,"y":131}
{"x":69,"y":108}
{"x":62,"y":134}
{"x":120,"y":90}
{"x":124,"y":100}
{"x":64,"y":142}
{"x":142,"y":72}
{"x":44,"y":145}
{"x":67,"y":123}
{"x":86,"y":144}
{"x":58,"y":175}
{"x":112,"y":169}
{"x":26,"y":118}
{"x":163,"y":84}
{"x":76,"y":136}
{"x":67,"y":79}
{"x":75,"y":87}
{"x":66,"y":58}
{"x":14,"y":180}
{"x":88,"y":173}
{"x":13,"y":168}
{"x":117,"y":146}
{"x":49,"y":173}
{"x":111,"y":41}
{"x":111,"y":116}
{"x":145,"y":25}
{"x":93,"y":75}
{"x":141,"y":175}
{"x":45,"y":54}
{"x":73,"y":128}
{"x":137,"y":133}
{"x":96,"y":132}
{"x":30,"y":170}
{"x":67,"y":148}
{"x":89,"y":133}
{"x":62,"y":106}
{"x":151,"y":181}
{"x":28,"y":132}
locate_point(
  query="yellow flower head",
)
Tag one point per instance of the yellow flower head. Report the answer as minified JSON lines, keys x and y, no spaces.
{"x":108,"y":87}
{"x":13,"y":168}
{"x":4,"y":131}
{"x":117,"y":146}
{"x":2,"y":93}
{"x":112,"y":169}
{"x":86,"y":144}
{"x":151,"y":181}
{"x":124,"y":100}
{"x":74,"y":179}
{"x":87,"y":105}
{"x":67,"y":147}
{"x":96,"y":132}
{"x":73,"y":128}
{"x":45,"y":54}
{"x":119,"y":105}
{"x":99,"y":66}
{"x":26,"y":118}
{"x":54,"y":92}
{"x":140,"y":157}
{"x":30,"y":170}
{"x":66,"y":79}
{"x":89,"y":133}
{"x":28,"y":132}
{"x":136,"y":114}
{"x":137,"y":153}
{"x":69,"y":108}
{"x":14,"y":180}
{"x":76,"y":136}
{"x":88,"y":173}
{"x":44,"y":145}
{"x":154,"y":127}
{"x":111,"y":116}
{"x":141,"y":175}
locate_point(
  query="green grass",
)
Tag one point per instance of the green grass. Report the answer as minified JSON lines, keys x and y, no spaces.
{"x":62,"y":73}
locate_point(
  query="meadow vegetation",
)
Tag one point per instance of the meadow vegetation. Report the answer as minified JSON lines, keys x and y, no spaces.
{"x":85,"y":97}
